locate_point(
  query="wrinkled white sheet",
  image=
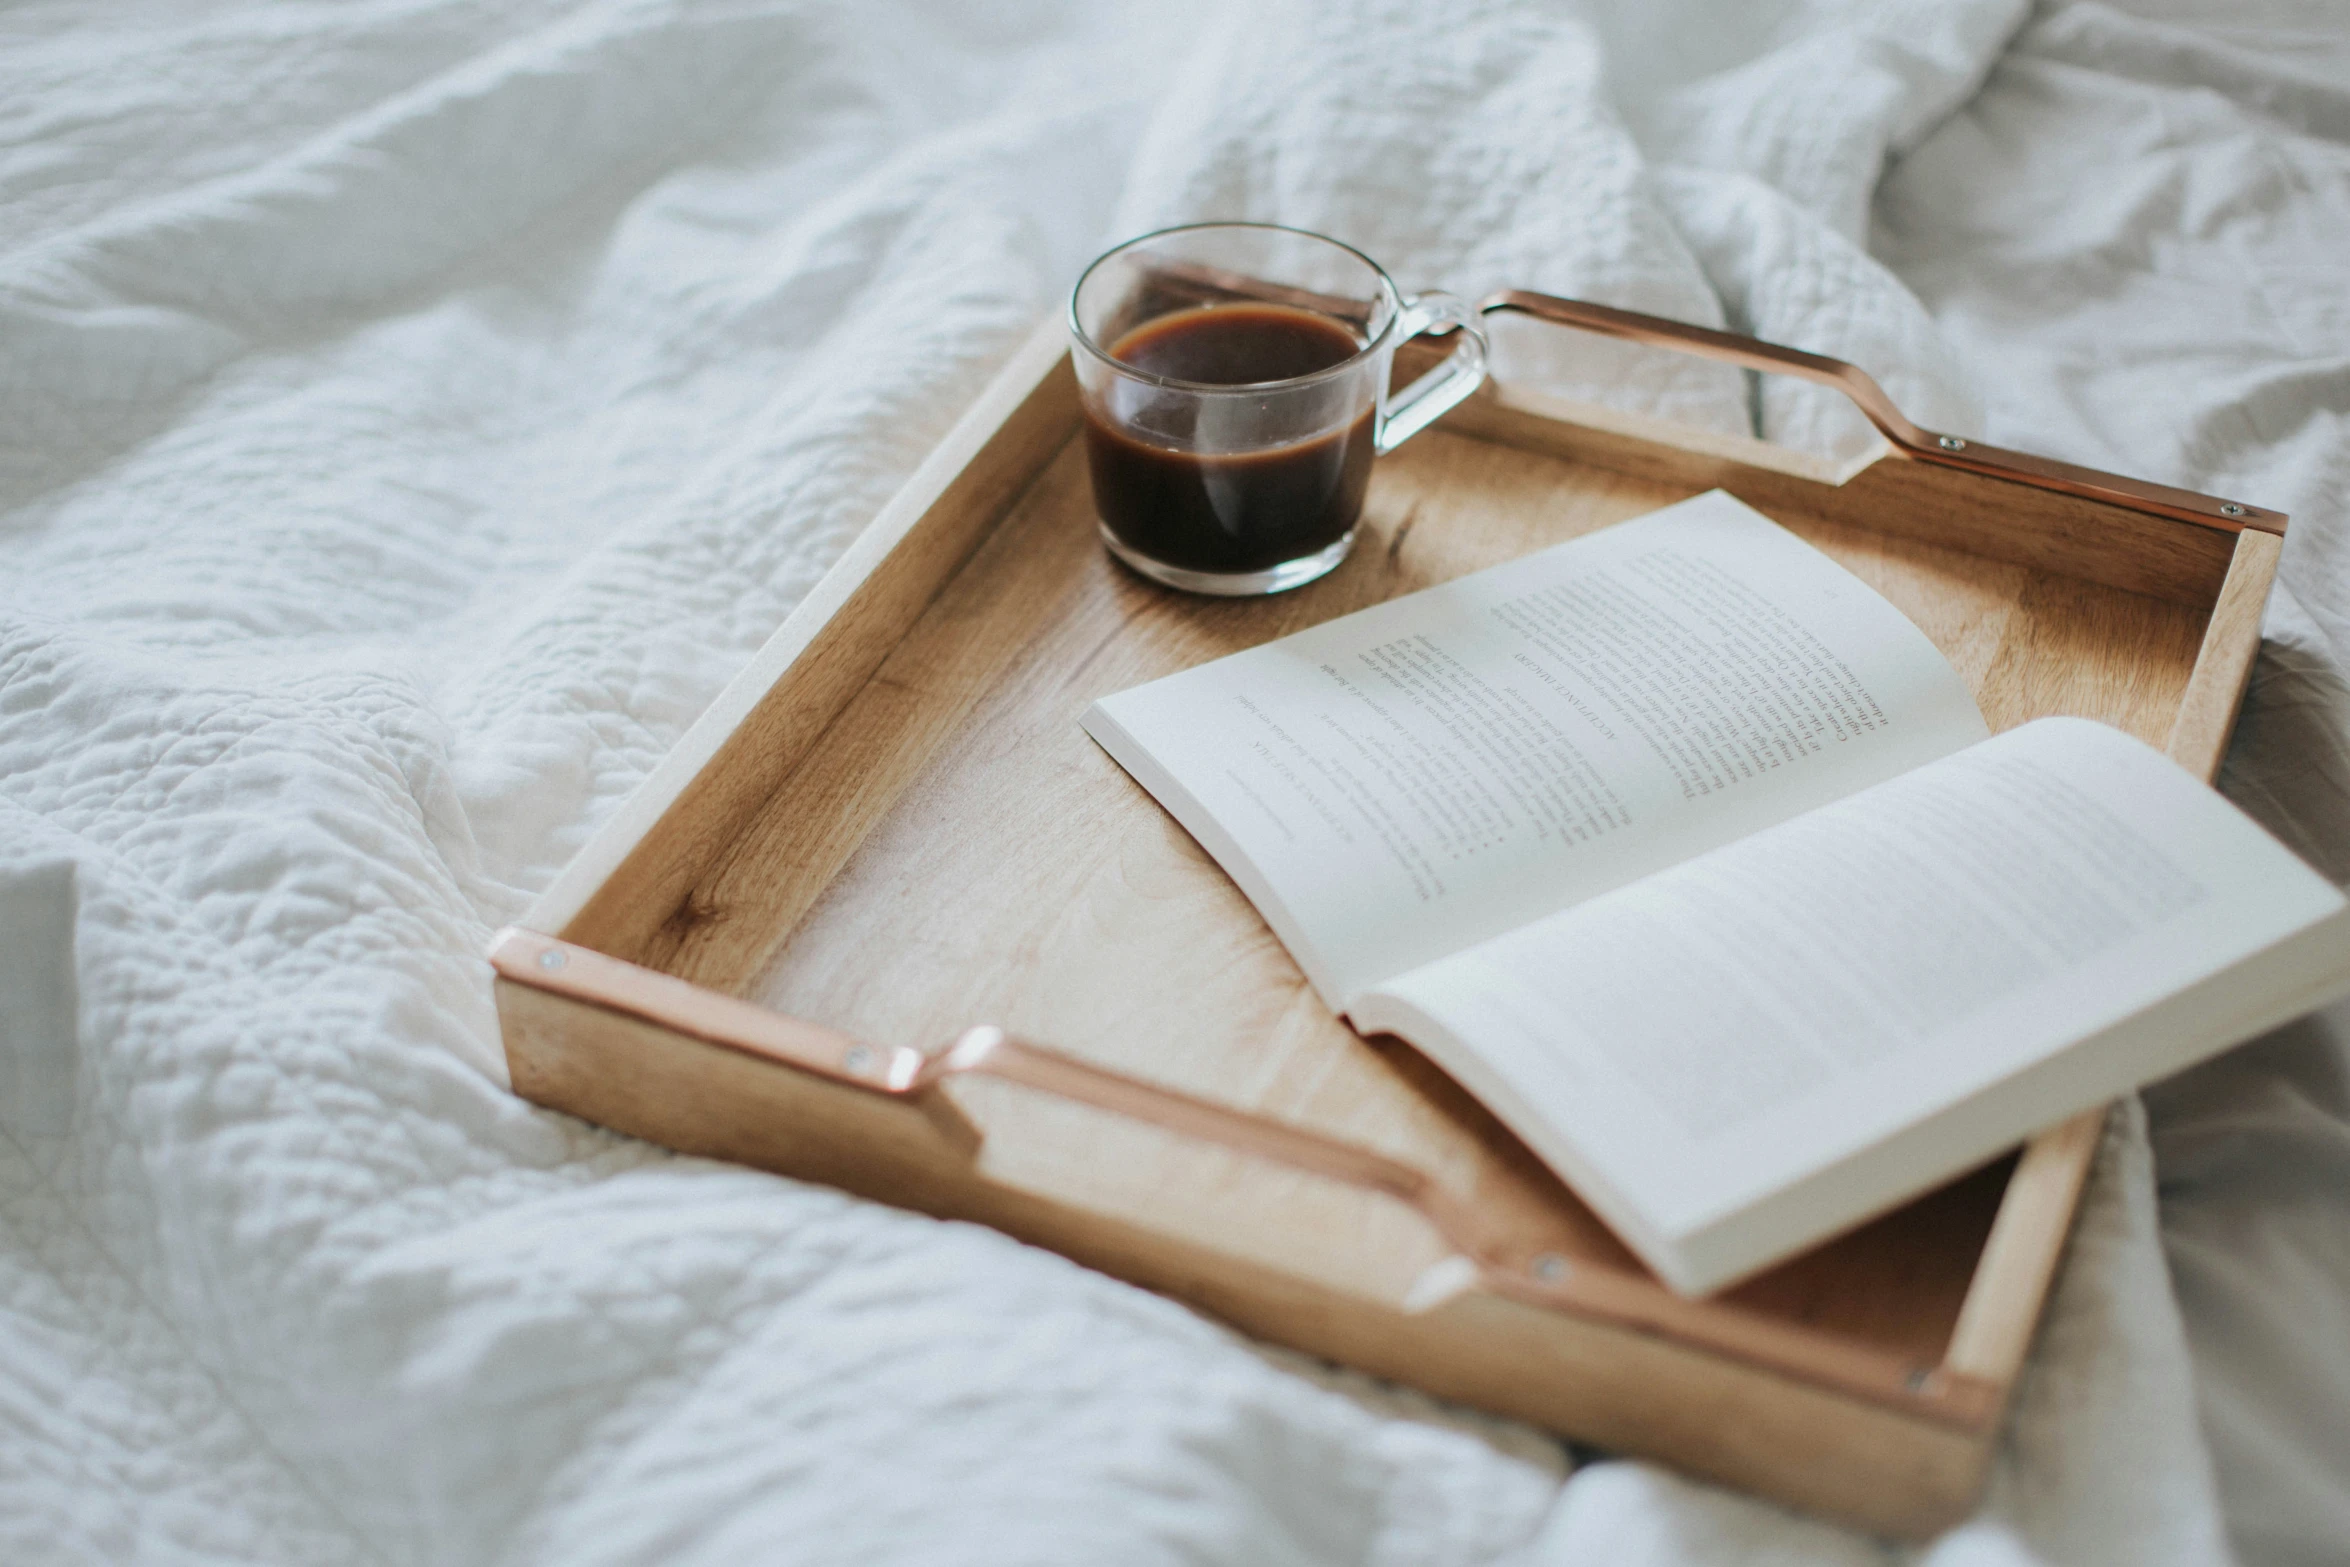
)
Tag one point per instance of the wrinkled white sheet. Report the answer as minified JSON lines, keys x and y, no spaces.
{"x":410,"y":414}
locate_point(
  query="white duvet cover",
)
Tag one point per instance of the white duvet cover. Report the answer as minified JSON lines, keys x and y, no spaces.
{"x":411,"y":413}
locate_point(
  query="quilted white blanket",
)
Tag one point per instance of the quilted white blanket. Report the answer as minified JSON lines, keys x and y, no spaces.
{"x":411,"y":412}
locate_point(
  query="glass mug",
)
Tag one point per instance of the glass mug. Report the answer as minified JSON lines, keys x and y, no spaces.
{"x":1234,"y":381}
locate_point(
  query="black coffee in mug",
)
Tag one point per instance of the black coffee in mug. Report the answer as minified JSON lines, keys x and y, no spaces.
{"x":1234,"y":383}
{"x":1224,"y":512}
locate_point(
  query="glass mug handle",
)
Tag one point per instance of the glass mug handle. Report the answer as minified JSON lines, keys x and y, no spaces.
{"x":1419,"y":405}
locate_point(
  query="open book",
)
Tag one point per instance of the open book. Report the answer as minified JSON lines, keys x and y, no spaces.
{"x":1692,"y":858}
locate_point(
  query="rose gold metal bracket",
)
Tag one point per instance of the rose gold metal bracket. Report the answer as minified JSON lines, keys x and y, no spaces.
{"x":1482,"y":1254}
{"x":1948,"y":451}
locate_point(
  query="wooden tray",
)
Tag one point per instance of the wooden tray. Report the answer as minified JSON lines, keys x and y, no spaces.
{"x":891,"y":825}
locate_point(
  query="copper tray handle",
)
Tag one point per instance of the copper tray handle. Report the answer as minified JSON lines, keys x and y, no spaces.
{"x":583,"y":974}
{"x":1909,"y":439}
{"x":1482,"y":1254}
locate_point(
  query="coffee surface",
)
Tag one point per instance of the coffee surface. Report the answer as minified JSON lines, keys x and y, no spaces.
{"x":1236,"y":345}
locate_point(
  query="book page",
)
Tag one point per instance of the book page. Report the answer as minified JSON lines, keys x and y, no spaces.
{"x":1757,"y":1023}
{"x":1411,"y":779}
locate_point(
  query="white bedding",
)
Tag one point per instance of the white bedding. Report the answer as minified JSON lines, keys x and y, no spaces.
{"x":410,"y":413}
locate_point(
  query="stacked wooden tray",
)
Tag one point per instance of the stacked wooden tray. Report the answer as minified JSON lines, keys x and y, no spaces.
{"x":890,"y":829}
